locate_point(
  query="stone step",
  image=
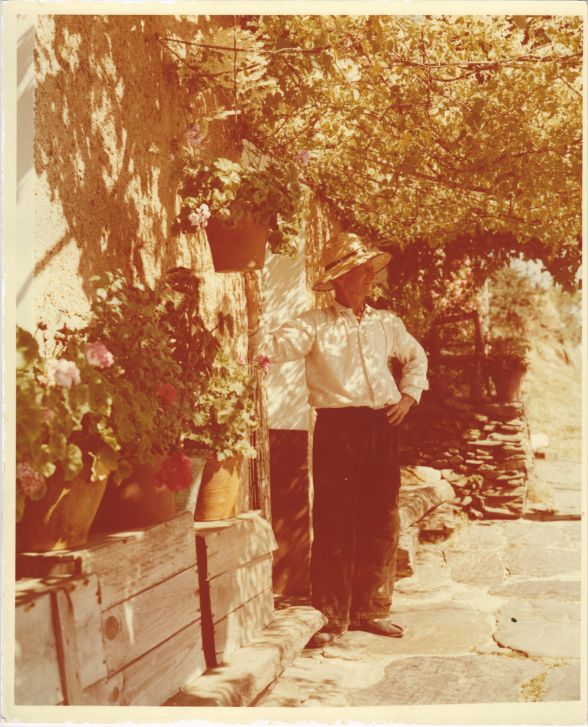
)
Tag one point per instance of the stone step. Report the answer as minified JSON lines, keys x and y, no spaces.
{"x":417,"y":500}
{"x":242,"y":678}
{"x":438,"y":524}
{"x":407,"y":547}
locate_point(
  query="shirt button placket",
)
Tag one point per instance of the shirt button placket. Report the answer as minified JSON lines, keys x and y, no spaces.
{"x":364,"y":349}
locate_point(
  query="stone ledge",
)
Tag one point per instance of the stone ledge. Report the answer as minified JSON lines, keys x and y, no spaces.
{"x":417,"y":500}
{"x":250,"y":670}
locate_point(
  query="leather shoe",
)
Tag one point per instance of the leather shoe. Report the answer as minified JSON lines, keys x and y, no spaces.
{"x":379,"y":626}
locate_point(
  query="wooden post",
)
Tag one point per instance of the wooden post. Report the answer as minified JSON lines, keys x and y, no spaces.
{"x":259,"y":484}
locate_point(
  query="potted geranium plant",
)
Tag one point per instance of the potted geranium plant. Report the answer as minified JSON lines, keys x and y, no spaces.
{"x":223,"y":421}
{"x":65,"y":445}
{"x":152,"y":401}
{"x":507,"y":363}
{"x":194,"y":348}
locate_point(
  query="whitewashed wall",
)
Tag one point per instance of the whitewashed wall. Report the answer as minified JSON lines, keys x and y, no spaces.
{"x":284,"y":296}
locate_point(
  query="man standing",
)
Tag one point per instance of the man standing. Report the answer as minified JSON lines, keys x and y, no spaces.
{"x":347,"y":349}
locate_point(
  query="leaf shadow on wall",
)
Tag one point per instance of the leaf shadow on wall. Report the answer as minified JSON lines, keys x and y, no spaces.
{"x":107,"y":109}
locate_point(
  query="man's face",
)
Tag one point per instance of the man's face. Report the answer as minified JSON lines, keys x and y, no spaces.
{"x":359,"y":281}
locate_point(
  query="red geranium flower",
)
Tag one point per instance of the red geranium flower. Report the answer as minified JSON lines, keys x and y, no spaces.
{"x":175,"y":472}
{"x":168,"y":393}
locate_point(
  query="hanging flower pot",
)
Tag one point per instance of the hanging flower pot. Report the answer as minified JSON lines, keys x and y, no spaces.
{"x":62,"y":518}
{"x":219,"y":489}
{"x":137,"y":502}
{"x":237,"y":247}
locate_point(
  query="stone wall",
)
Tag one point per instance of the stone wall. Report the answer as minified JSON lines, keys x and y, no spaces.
{"x":481,"y":446}
{"x":109,"y":114}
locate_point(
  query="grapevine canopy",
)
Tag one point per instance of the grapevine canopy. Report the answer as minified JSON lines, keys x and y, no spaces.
{"x":441,"y":137}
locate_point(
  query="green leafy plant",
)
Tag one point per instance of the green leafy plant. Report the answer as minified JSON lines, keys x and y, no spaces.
{"x":508,"y":354}
{"x":180,"y":392}
{"x":412,"y":128}
{"x":64,"y":407}
{"x":225,"y":414}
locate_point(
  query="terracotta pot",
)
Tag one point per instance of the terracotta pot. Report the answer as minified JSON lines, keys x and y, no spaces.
{"x":237,"y":247}
{"x":135,"y":503}
{"x":219,"y":489}
{"x":186,"y":499}
{"x":508,"y":384}
{"x":62,"y":519}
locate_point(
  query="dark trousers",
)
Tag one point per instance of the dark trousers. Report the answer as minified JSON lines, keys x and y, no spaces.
{"x":355,"y":514}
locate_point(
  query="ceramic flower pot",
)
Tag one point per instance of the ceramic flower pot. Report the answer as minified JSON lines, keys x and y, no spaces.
{"x":237,"y":247}
{"x":63,"y":518}
{"x":219,"y":489}
{"x":136,"y":503}
{"x":186,"y":499}
{"x":508,"y":384}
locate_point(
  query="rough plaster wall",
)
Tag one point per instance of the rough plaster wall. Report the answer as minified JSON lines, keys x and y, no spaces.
{"x":108,"y":107}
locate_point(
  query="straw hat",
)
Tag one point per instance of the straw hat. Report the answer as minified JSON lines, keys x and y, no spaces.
{"x":342,"y":253}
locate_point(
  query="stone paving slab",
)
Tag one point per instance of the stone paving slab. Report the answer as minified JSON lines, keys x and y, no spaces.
{"x":437,"y":629}
{"x":545,"y":562}
{"x":450,"y":680}
{"x":543,"y":628}
{"x":564,"y":479}
{"x":477,"y":568}
{"x":547,"y":589}
{"x":561,"y":535}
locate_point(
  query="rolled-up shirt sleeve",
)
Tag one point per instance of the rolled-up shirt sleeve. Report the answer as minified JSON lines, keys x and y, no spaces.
{"x":413,"y":358}
{"x":291,"y":341}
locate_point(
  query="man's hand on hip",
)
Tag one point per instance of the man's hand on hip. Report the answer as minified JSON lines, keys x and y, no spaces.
{"x":398,"y":411}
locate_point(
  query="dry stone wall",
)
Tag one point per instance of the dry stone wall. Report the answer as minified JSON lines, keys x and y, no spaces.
{"x":482,"y":447}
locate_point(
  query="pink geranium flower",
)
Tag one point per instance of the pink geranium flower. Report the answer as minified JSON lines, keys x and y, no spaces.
{"x":168,"y":393}
{"x":98,"y":355}
{"x":29,"y":480}
{"x":264,"y":363}
{"x":62,"y":372}
{"x":199,"y":217}
{"x":194,"y":136}
{"x":175,"y":472}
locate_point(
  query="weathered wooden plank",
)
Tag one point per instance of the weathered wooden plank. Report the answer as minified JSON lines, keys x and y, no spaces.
{"x":242,"y":625}
{"x":126,"y":562}
{"x":37,"y":678}
{"x":80,"y":630}
{"x":69,"y":644}
{"x":232,"y":543}
{"x":233,"y":588}
{"x":157,"y":675}
{"x":139,"y":624}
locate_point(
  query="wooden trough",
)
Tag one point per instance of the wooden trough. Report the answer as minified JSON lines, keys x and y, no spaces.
{"x":124,"y":621}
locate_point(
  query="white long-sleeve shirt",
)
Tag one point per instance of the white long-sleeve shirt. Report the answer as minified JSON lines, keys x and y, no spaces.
{"x":347,"y":360}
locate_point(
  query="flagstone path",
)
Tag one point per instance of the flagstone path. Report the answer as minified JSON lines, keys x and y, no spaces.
{"x":491,"y":615}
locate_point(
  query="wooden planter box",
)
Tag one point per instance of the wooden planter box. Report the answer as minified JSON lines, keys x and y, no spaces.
{"x":114,"y":623}
{"x":235,"y":571}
